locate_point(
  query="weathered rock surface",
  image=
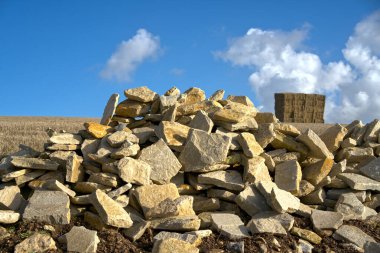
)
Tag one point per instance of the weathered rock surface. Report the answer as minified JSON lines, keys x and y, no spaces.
{"x":110,"y":211}
{"x":164,"y":164}
{"x":34,"y":163}
{"x":36,"y":243}
{"x":202,"y":150}
{"x":134,"y":171}
{"x":11,"y":199}
{"x":80,"y":239}
{"x":229,"y":225}
{"x":288,"y":176}
{"x":48,"y":206}
{"x":109,"y":109}
{"x":353,"y":234}
{"x":316,"y":146}
{"x":173,"y":245}
{"x":8,"y":217}
{"x":230,"y":179}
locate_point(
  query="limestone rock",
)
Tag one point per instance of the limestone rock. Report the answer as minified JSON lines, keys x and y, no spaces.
{"x":110,"y":211}
{"x":307,"y":235}
{"x":255,"y":169}
{"x":48,"y":206}
{"x":34,"y":163}
{"x":89,"y":146}
{"x":249,"y":144}
{"x":127,"y":149}
{"x":74,"y":170}
{"x":173,"y":133}
{"x":351,"y":208}
{"x":241,"y":100}
{"x":134,"y":171}
{"x":316,"y":172}
{"x":141,"y":94}
{"x":163,"y":162}
{"x":150,"y":196}
{"x":202,"y":121}
{"x":66,"y":138}
{"x":172,"y":245}
{"x":234,"y":112}
{"x":229,"y":225}
{"x":107,"y":179}
{"x":245,"y":124}
{"x":89,"y":187}
{"x":110,"y":108}
{"x":283,"y":141}
{"x":137,"y":230}
{"x":80,"y":239}
{"x":352,"y":234}
{"x":189,"y":238}
{"x":287,"y":129}
{"x":36,"y":243}
{"x":264,"y":135}
{"x":359,"y":182}
{"x":117,"y":138}
{"x":131,"y":109}
{"x":177,"y":223}
{"x":372,"y":169}
{"x":10,"y":198}
{"x":251,"y":201}
{"x":283,"y":201}
{"x":316,"y":146}
{"x":333,"y":137}
{"x":288,"y":176}
{"x":372,"y":131}
{"x":266,"y":225}
{"x":194,"y":95}
{"x":202,"y":150}
{"x":326,"y":220}
{"x":97,"y":130}
{"x":230,"y":179}
{"x":8,"y":217}
{"x":286,"y":220}
{"x":217,"y":95}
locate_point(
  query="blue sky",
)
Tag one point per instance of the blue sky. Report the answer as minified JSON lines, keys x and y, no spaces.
{"x":52,"y":53}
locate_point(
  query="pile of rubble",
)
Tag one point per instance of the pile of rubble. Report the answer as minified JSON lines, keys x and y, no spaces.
{"x":186,"y":167}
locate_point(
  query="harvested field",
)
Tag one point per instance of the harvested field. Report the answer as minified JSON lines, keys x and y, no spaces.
{"x":30,"y":131}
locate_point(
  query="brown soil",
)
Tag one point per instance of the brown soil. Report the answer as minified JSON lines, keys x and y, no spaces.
{"x":112,"y":240}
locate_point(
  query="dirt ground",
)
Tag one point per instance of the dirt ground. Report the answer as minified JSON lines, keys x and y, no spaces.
{"x":113,"y":240}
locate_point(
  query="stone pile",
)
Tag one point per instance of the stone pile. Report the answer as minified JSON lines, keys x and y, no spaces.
{"x":188,"y":166}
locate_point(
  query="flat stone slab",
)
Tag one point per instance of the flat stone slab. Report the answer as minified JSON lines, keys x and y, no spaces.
{"x":352,"y":234}
{"x":316,"y":146}
{"x":251,"y":201}
{"x":110,"y":211}
{"x":283,"y":201}
{"x":150,"y":196}
{"x":372,"y":169}
{"x":34,"y":163}
{"x":134,"y":171}
{"x":66,"y":138}
{"x":230,"y":179}
{"x":163,"y":235}
{"x":285,"y":219}
{"x":109,"y":109}
{"x":351,"y":208}
{"x":359,"y":182}
{"x":249,"y":144}
{"x":164,"y":164}
{"x":266,"y":225}
{"x":177,"y":223}
{"x":229,"y":225}
{"x":141,"y":94}
{"x":81,"y":239}
{"x":48,"y":206}
{"x":326,"y":219}
{"x":288,"y":176}
{"x":203,"y":149}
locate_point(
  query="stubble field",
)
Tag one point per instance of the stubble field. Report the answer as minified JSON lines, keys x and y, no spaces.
{"x":30,"y":131}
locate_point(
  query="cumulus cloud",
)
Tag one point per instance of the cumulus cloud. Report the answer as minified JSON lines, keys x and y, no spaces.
{"x":280,"y":64}
{"x":130,"y":54}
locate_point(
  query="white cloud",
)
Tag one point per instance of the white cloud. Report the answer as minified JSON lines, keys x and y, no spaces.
{"x":177,"y":71}
{"x":130,"y":54}
{"x":279,"y":64}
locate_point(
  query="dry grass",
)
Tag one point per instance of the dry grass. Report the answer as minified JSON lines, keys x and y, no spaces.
{"x":30,"y":131}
